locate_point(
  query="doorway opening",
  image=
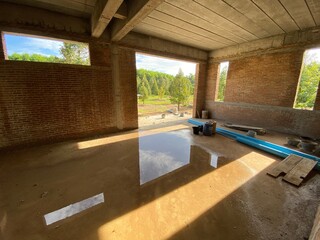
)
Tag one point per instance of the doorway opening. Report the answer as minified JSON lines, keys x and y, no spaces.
{"x":165,"y":89}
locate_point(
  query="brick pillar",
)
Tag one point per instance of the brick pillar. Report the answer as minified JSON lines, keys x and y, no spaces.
{"x":200,"y":89}
{"x":128,"y":87}
{"x":212,"y":81}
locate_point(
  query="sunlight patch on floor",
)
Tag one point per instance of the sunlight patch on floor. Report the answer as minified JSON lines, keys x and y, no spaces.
{"x":174,"y":211}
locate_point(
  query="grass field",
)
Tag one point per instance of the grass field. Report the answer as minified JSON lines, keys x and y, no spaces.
{"x":154,"y":105}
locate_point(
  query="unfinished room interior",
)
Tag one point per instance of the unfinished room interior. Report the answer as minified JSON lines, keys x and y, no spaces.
{"x":74,"y":163}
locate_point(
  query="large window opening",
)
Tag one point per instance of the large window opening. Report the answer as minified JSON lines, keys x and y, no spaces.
{"x":39,"y":49}
{"x":309,"y":80}
{"x":222,"y":81}
{"x":165,"y":89}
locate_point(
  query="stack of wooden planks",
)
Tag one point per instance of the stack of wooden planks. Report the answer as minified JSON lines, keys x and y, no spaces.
{"x":295,"y":167}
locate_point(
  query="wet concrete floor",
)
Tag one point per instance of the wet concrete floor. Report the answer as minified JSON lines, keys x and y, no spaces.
{"x":161,"y":183}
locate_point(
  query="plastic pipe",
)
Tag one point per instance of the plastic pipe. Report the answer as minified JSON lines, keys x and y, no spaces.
{"x":260,"y":144}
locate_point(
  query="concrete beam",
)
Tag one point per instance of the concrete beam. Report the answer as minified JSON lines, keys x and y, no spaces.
{"x":28,"y":19}
{"x":137,"y":11}
{"x":161,"y":47}
{"x":102,"y":15}
{"x":122,"y":12}
{"x":284,"y":42}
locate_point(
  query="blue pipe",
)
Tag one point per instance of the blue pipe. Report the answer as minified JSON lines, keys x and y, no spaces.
{"x":260,"y":144}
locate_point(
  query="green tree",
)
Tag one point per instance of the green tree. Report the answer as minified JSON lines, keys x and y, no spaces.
{"x":222,"y":84}
{"x":33,"y":57}
{"x":155,"y":88}
{"x":161,"y":91}
{"x":75,"y":53}
{"x":180,"y":89}
{"x":309,"y":82}
{"x":144,"y":93}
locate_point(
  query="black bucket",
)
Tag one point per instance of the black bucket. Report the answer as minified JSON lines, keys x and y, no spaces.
{"x":208,"y":129}
{"x":196,"y":130}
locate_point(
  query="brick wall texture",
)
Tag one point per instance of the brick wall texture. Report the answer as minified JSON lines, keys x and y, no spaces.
{"x":260,"y":91}
{"x":48,"y":102}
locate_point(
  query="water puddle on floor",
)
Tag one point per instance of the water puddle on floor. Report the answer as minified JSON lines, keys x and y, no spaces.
{"x":164,"y":153}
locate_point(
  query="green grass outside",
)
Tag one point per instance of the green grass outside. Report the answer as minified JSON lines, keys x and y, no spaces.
{"x":154,"y":105}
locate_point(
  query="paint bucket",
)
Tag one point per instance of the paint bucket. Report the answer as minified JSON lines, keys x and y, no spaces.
{"x":196,"y":130}
{"x":204,"y":114}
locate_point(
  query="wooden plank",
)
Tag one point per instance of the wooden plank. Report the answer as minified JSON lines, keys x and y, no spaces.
{"x":228,"y":28}
{"x":260,"y":131}
{"x":298,"y":9}
{"x":315,"y":232}
{"x":278,"y":13}
{"x":314,"y":6}
{"x":250,"y":10}
{"x":285,"y":165}
{"x":296,"y":175}
{"x":186,"y":33}
{"x":230,"y":14}
{"x":137,"y":11}
{"x":102,"y":15}
{"x":165,"y":34}
{"x":190,"y":27}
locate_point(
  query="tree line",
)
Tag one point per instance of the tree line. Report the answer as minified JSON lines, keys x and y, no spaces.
{"x":178,"y":88}
{"x":70,"y":53}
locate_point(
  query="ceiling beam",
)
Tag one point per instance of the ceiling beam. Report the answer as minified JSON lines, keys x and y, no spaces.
{"x":137,"y":11}
{"x":122,"y":12}
{"x":102,"y":15}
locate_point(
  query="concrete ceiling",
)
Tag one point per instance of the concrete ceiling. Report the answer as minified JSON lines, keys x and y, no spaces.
{"x":204,"y":24}
{"x":213,"y":24}
{"x":76,"y":8}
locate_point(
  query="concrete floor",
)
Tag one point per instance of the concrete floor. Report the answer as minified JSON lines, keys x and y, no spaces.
{"x":160,"y":183}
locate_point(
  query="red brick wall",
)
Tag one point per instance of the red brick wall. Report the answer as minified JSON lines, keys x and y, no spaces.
{"x":261,"y":91}
{"x":211,"y":84}
{"x":269,"y":79}
{"x":128,"y":88}
{"x":282,"y":119}
{"x":48,"y":102}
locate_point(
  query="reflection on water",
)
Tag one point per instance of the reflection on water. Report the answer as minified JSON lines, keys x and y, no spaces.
{"x":162,"y":153}
{"x":73,"y":209}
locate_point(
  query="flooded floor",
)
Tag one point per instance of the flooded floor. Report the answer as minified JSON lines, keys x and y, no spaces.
{"x":163,"y":183}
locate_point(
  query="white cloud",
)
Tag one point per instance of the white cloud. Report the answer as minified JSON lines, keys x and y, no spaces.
{"x":40,"y":45}
{"x":164,"y":65}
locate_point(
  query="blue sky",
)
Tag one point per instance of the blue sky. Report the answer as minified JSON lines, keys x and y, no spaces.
{"x":23,"y":44}
{"x":164,"y":65}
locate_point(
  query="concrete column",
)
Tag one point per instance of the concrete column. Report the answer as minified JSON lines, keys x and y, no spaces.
{"x":200,"y":89}
{"x":3,"y":49}
{"x":115,"y":65}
